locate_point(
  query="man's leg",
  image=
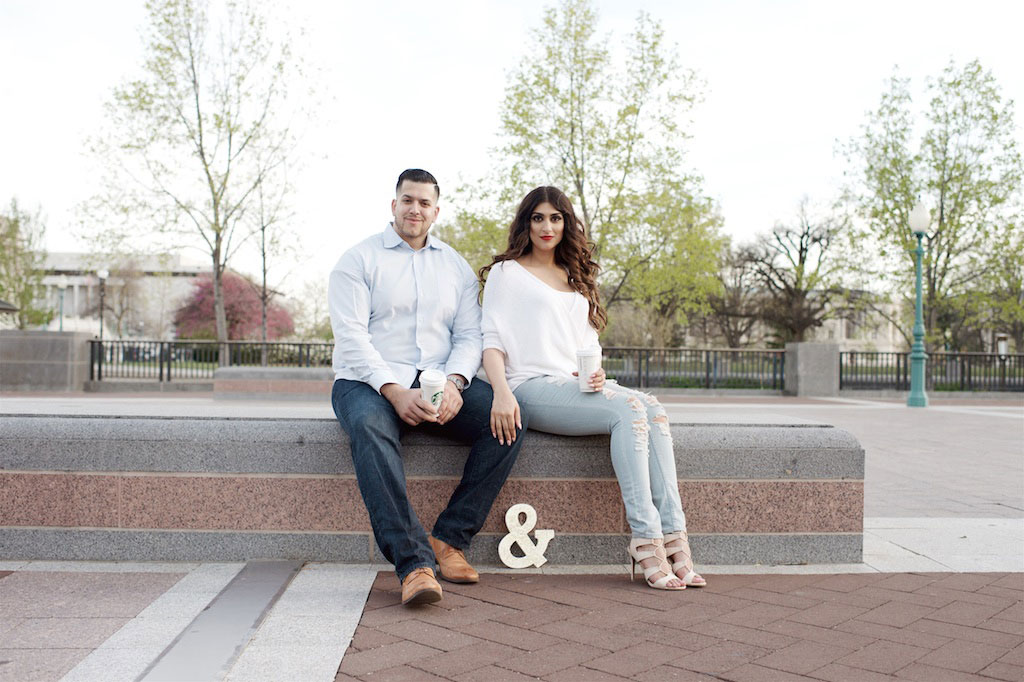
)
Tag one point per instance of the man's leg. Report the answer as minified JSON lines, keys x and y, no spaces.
{"x":486,"y":469}
{"x":374,"y":429}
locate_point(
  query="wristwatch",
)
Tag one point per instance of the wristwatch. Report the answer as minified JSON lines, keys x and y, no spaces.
{"x":457,"y":380}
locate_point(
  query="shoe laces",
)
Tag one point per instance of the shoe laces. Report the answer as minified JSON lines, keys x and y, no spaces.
{"x":420,"y":570}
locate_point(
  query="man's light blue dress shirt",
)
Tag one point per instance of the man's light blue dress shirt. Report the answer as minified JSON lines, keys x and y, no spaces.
{"x":395,"y":310}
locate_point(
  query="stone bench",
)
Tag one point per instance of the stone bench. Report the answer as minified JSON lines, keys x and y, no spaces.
{"x":219,"y":489}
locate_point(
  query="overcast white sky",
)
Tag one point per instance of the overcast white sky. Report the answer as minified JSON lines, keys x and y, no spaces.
{"x":420,"y":83}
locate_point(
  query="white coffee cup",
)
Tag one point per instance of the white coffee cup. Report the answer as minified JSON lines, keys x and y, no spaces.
{"x":432,"y":383}
{"x":588,"y":361}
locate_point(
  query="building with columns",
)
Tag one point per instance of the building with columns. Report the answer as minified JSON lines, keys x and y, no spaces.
{"x":140,"y":293}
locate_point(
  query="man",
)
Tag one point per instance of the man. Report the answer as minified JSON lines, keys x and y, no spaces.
{"x":402,"y":302}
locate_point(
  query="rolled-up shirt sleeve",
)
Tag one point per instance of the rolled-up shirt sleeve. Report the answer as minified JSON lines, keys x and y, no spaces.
{"x":494,"y":302}
{"x":348,"y":297}
{"x":466,"y":341}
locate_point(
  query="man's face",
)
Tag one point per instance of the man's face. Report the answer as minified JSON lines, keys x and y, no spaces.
{"x":415,"y":210}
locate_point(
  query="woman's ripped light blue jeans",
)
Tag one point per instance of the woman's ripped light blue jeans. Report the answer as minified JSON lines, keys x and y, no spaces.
{"x":641,"y":444}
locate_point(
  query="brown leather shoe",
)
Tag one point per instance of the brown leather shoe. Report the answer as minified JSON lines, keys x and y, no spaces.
{"x":420,"y":587}
{"x":452,"y":564}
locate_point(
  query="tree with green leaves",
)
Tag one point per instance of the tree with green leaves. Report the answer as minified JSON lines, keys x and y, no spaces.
{"x":996,"y":304}
{"x":964,"y":163}
{"x":611,"y":134}
{"x":478,"y":227}
{"x":190,"y":143}
{"x":21,"y":264}
{"x":1006,"y":288}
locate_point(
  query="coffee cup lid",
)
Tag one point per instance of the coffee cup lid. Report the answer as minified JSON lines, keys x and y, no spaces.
{"x":431,"y":376}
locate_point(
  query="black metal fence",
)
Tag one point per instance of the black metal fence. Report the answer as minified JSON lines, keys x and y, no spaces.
{"x":637,"y":367}
{"x":943,"y":371}
{"x":696,"y":368}
{"x":874,"y":370}
{"x":190,"y":360}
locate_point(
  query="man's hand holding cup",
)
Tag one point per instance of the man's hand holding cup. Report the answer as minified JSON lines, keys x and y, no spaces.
{"x":451,"y":403}
{"x":409,"y":404}
{"x":442,"y":393}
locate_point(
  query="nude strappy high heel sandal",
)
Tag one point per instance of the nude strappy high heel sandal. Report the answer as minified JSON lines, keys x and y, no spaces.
{"x":676,"y":544}
{"x":652,"y":548}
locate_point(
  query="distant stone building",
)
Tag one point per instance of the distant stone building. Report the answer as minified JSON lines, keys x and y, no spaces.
{"x":863,"y":330}
{"x":141,"y":293}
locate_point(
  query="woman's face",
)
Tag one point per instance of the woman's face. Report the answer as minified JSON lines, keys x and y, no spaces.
{"x":546,"y":223}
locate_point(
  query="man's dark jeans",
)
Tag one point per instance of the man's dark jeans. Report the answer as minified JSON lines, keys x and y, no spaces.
{"x":374,"y":429}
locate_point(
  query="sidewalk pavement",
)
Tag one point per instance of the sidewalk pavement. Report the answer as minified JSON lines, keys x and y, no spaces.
{"x":940,"y":595}
{"x":860,"y":627}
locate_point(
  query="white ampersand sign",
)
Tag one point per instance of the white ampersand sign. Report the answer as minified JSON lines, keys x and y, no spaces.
{"x":519,"y":534}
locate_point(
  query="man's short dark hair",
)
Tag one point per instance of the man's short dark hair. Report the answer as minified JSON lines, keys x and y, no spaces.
{"x":418,"y":175}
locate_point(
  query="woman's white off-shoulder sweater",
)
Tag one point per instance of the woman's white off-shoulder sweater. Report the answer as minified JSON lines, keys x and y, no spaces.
{"x":539,"y":329}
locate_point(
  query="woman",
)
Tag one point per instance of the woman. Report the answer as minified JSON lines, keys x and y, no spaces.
{"x":540,"y":306}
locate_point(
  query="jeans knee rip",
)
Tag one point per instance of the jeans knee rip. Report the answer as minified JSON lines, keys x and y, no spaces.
{"x":661,"y":419}
{"x":641,"y":429}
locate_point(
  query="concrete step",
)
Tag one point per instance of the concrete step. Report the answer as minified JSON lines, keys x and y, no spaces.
{"x":147,"y":386}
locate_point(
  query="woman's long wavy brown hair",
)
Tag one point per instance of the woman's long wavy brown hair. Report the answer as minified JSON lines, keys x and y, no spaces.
{"x":572,"y":253}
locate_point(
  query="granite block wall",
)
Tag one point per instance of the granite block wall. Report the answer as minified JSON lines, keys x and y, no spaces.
{"x":272,"y":383}
{"x":43,"y":361}
{"x":812,"y":369}
{"x":229,"y":489}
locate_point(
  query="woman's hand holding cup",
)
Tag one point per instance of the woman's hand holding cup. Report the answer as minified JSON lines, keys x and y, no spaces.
{"x":588,"y":367}
{"x":597,"y":379}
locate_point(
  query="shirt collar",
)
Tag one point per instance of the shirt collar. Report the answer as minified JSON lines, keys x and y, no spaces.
{"x":391,"y":239}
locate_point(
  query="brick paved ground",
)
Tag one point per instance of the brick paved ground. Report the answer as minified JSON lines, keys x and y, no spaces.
{"x":776,"y":628}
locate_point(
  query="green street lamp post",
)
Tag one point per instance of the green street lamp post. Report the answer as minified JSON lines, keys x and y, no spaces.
{"x":919,"y":220}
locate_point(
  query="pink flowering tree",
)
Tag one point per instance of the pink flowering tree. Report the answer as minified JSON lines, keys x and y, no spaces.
{"x":196,"y":318}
